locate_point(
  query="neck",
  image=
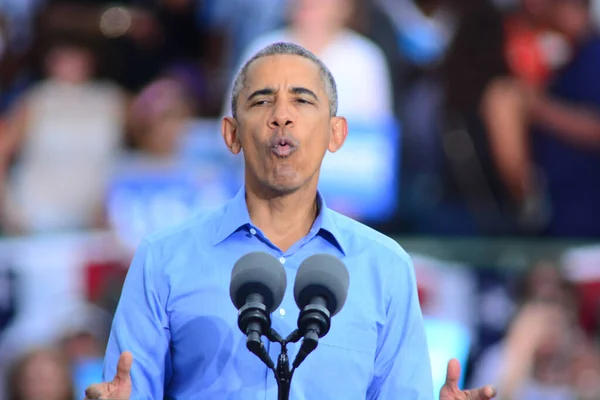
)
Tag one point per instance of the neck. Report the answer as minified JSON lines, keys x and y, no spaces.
{"x":283,"y":218}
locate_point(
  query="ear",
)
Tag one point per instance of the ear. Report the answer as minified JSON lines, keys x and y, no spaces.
{"x":229,"y":130}
{"x":339,"y":132}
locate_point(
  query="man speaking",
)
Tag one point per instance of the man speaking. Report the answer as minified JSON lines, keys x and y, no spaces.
{"x":175,"y":332}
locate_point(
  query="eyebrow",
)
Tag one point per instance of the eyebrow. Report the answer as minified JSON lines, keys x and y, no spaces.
{"x":270,"y":91}
{"x":261,"y":92}
{"x":301,"y":90}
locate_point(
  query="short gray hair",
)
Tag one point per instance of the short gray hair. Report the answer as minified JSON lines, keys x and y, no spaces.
{"x":290,"y":49}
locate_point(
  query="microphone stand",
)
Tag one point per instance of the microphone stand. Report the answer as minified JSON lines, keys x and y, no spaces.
{"x":283,"y":373}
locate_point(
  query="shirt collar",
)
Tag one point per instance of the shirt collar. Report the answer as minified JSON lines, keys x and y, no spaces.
{"x":236,"y":216}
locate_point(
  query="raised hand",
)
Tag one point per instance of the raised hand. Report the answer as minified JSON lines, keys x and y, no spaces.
{"x":119,"y":388}
{"x":450,"y":390}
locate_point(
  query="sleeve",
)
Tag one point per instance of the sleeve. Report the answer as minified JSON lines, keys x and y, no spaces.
{"x":402,"y":363}
{"x":141,"y":326}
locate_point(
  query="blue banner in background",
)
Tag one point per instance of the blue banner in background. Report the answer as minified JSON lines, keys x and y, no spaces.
{"x":362,"y":179}
{"x":149,"y":194}
{"x":446,"y":340}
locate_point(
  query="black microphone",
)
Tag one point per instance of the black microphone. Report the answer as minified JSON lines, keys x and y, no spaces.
{"x":258,"y":283}
{"x":320,"y":291}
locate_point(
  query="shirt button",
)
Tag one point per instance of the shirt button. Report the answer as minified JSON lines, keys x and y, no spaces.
{"x":282,"y":260}
{"x":282,"y":312}
{"x":253,"y":231}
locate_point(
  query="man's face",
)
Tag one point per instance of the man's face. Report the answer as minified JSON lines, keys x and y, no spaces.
{"x":283,"y":123}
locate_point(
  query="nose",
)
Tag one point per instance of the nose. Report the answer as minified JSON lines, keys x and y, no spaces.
{"x":281,"y":116}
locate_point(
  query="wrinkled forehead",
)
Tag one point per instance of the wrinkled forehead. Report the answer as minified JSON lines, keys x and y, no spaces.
{"x":283,"y":72}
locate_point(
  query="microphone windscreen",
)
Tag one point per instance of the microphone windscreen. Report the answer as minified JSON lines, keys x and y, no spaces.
{"x":261,"y":273}
{"x":322,"y":275}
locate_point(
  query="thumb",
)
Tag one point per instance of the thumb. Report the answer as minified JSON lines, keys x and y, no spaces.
{"x":124,"y":367}
{"x":453,"y":374}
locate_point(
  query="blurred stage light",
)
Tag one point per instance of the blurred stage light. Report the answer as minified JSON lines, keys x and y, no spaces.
{"x":115,"y":22}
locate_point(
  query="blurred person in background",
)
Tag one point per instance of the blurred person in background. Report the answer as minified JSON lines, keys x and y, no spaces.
{"x":233,"y":25}
{"x":158,"y":117}
{"x":534,"y":50}
{"x":535,"y":358}
{"x":162,"y":34}
{"x":545,"y":282}
{"x":84,"y":352}
{"x":566,"y":139}
{"x":422,"y":31}
{"x":40,"y":374}
{"x":81,"y":345}
{"x":545,"y":353}
{"x":585,"y":374}
{"x":63,"y":134}
{"x":75,"y":332}
{"x":145,"y":38}
{"x":177,"y":165}
{"x":468,"y":192}
{"x":549,"y":174}
{"x":357,"y":64}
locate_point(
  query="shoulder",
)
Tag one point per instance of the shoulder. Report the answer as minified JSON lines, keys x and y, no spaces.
{"x":364,"y":239}
{"x":193,"y":233}
{"x":383,"y":257}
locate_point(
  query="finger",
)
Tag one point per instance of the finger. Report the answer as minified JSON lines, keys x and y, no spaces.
{"x":453,"y":374}
{"x":487,"y":393}
{"x":124,"y":366}
{"x":484,"y":393}
{"x":93,"y":392}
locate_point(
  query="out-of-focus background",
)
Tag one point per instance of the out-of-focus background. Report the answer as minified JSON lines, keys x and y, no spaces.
{"x":474,"y":141}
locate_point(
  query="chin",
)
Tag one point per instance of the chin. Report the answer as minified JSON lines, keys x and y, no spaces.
{"x":281,"y":187}
{"x":285,"y":188}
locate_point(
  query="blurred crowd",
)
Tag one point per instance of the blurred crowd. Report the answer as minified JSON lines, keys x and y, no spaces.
{"x":549,"y":347}
{"x":498,"y":104}
{"x":496,"y":101}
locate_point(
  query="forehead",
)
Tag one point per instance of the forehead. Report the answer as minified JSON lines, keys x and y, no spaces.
{"x":283,"y":70}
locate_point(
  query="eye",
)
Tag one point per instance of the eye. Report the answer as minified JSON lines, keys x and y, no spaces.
{"x":260,"y":103}
{"x":303,"y":101}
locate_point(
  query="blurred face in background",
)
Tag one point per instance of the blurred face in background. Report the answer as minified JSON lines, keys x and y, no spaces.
{"x":537,"y":10}
{"x":159,"y":115}
{"x":69,"y":64}
{"x":546,"y":283}
{"x":558,"y":337}
{"x":317,"y":15}
{"x":81,"y":346}
{"x":571,"y":17}
{"x":42,"y":375}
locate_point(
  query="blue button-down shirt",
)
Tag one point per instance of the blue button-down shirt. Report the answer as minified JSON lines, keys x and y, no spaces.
{"x":176,"y":317}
